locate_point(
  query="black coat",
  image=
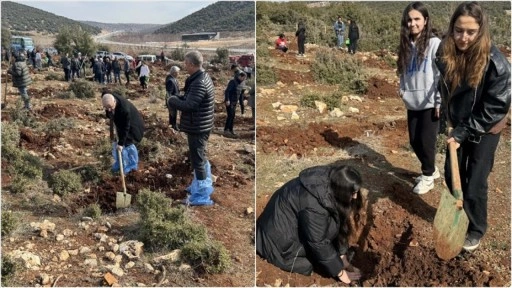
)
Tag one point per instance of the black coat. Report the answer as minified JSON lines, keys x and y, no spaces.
{"x":301,"y":33}
{"x":197,"y":105}
{"x":474,"y":112}
{"x":301,"y":219}
{"x":353,"y":31}
{"x":128,"y":121}
{"x":172,"y":86}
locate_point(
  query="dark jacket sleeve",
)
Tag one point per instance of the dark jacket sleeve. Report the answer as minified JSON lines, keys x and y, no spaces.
{"x":124,"y":126}
{"x":493,"y":105}
{"x":192,"y":102}
{"x":230,"y":92}
{"x":313,"y":224}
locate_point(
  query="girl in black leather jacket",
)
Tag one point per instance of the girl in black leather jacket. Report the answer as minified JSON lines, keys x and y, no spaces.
{"x":475,"y":89}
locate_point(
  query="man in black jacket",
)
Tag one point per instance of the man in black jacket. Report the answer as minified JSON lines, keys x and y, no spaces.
{"x":129,"y":127}
{"x":197,"y":108}
{"x":172,"y":88}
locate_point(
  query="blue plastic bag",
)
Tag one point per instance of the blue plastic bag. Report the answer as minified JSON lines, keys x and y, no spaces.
{"x":130,"y":158}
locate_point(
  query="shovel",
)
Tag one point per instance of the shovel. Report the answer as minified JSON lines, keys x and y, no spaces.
{"x":123,"y":199}
{"x":451,"y":222}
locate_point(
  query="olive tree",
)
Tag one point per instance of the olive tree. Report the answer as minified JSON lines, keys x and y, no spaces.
{"x":74,"y":39}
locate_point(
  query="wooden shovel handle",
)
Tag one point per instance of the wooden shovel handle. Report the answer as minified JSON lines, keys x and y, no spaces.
{"x":454,"y":166}
{"x":121,"y":168}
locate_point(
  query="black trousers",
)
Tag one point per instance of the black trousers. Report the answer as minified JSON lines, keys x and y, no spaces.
{"x":197,"y":149}
{"x":230,"y":119}
{"x":423,"y":129}
{"x":127,"y":75}
{"x":475,"y":164}
{"x":301,"y":41}
{"x":353,"y":46}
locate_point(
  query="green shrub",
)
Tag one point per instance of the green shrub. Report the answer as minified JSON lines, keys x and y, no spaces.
{"x":54,"y":127}
{"x":163,"y":226}
{"x":119,"y":90}
{"x":66,"y":95}
{"x":103,"y":153}
{"x":89,"y":174}
{"x":308,"y":100}
{"x":29,"y":166}
{"x":332,"y":68}
{"x":53,"y":76}
{"x":23,"y":117}
{"x":152,"y":151}
{"x":93,"y":211}
{"x":265,"y":74}
{"x":210,"y":257}
{"x":9,"y":268}
{"x":178,"y":54}
{"x":64,"y":182}
{"x":222,"y":56}
{"x":10,"y":141}
{"x":82,"y":89}
{"x":333,"y":100}
{"x":19,"y":184}
{"x":9,"y":222}
{"x":262,"y":50}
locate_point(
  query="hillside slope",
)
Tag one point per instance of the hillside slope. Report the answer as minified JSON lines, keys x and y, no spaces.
{"x":23,"y":18}
{"x":220,"y":16}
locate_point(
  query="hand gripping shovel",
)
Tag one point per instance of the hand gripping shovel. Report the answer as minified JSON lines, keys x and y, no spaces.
{"x":123,"y":199}
{"x":451,"y":222}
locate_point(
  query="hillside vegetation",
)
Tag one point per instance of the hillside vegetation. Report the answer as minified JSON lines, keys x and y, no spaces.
{"x":220,"y":16}
{"x":379,"y":22}
{"x":129,"y":27}
{"x":21,"y":19}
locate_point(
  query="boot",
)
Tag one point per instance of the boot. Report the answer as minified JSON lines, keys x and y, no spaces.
{"x":200,"y":196}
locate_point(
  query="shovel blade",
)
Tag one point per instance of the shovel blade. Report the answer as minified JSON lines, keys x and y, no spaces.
{"x":450,"y":227}
{"x":123,"y":200}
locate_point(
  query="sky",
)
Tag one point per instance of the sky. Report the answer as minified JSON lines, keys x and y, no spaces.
{"x":140,"y":12}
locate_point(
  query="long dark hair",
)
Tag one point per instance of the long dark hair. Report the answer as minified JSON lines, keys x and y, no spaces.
{"x":468,"y":66}
{"x":404,"y":50}
{"x":345,"y":181}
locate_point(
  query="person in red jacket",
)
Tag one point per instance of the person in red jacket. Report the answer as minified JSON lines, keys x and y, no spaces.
{"x":281,"y":43}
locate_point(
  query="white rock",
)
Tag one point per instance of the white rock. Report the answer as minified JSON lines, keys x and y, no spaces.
{"x":321,"y":106}
{"x":101,"y":236}
{"x":129,"y":265}
{"x":249,"y":210}
{"x":59,"y":237}
{"x":184,"y":267}
{"x":88,"y":219}
{"x":45,"y":225}
{"x":118,"y":259}
{"x":64,"y":255}
{"x":110,"y":255}
{"x":174,"y":256}
{"x":280,"y":118}
{"x":101,"y":248}
{"x":353,"y":110}
{"x":131,"y":249}
{"x":73,"y":252}
{"x":91,"y":262}
{"x":45,"y":279}
{"x":84,"y":250}
{"x":295,"y":116}
{"x":30,"y":260}
{"x":115,"y":248}
{"x":279,"y":83}
{"x":276,"y":105}
{"x":67,"y":232}
{"x":288,"y":108}
{"x":117,"y":271}
{"x":355,"y":98}
{"x":148,"y":267}
{"x":336,"y":112}
{"x":30,"y":246}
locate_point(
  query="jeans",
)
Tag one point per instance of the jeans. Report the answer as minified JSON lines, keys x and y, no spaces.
{"x":117,"y":77}
{"x":340,"y":37}
{"x":197,"y":149}
{"x":24,"y":96}
{"x":127,"y":75}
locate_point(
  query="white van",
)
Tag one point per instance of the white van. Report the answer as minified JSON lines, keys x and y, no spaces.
{"x":147,"y":58}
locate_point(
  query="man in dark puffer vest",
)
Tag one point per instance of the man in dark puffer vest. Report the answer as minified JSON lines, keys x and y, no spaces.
{"x":21,"y":77}
{"x":197,"y":122}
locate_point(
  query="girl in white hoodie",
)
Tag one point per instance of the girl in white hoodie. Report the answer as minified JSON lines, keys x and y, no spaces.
{"x":418,"y":89}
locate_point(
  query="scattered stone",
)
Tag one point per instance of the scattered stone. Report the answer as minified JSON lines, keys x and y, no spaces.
{"x":91,"y":262}
{"x":108,"y":225}
{"x":174,"y":256}
{"x":280,"y":118}
{"x":118,"y":259}
{"x":30,"y":260}
{"x":64,"y":255}
{"x":56,"y":198}
{"x":394,"y":151}
{"x":279,"y":83}
{"x":214,"y":178}
{"x":344,"y":99}
{"x":115,"y":248}
{"x":321,"y":106}
{"x":129,"y":265}
{"x":44,"y":279}
{"x":101,"y":248}
{"x":288,"y":108}
{"x":355,"y":98}
{"x":110,"y":255}
{"x":168,"y":176}
{"x":141,"y":284}
{"x":131,"y":249}
{"x":101,"y":236}
{"x":278,"y":282}
{"x":414,"y":243}
{"x":85,"y":249}
{"x":249,"y":148}
{"x":102,"y":229}
{"x":30,"y":246}
{"x":295,"y":116}
{"x":276,"y":105}
{"x":117,"y":271}
{"x":353,"y":110}
{"x":336,"y":112}
{"x":67,"y":232}
{"x":249,"y":210}
{"x":87,"y":219}
{"x":184,"y":267}
{"x":43,"y":234}
{"x":109,"y":279}
{"x":148,"y":267}
{"x":59,"y":237}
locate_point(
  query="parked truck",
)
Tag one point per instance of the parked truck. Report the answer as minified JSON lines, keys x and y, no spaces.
{"x":21,"y":42}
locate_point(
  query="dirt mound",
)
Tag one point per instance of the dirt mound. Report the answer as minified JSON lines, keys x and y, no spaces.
{"x":380,"y":88}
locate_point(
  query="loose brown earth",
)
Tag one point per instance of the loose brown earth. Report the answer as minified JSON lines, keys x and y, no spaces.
{"x":231,"y":160}
{"x":394,"y":243}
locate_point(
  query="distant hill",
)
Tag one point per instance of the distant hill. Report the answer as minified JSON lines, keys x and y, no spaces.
{"x":218,"y":17}
{"x":128,"y":27}
{"x":22,"y":18}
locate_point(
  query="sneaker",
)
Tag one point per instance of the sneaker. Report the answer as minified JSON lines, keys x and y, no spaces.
{"x":436,"y":175}
{"x":426,"y":184}
{"x":470,"y":244}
